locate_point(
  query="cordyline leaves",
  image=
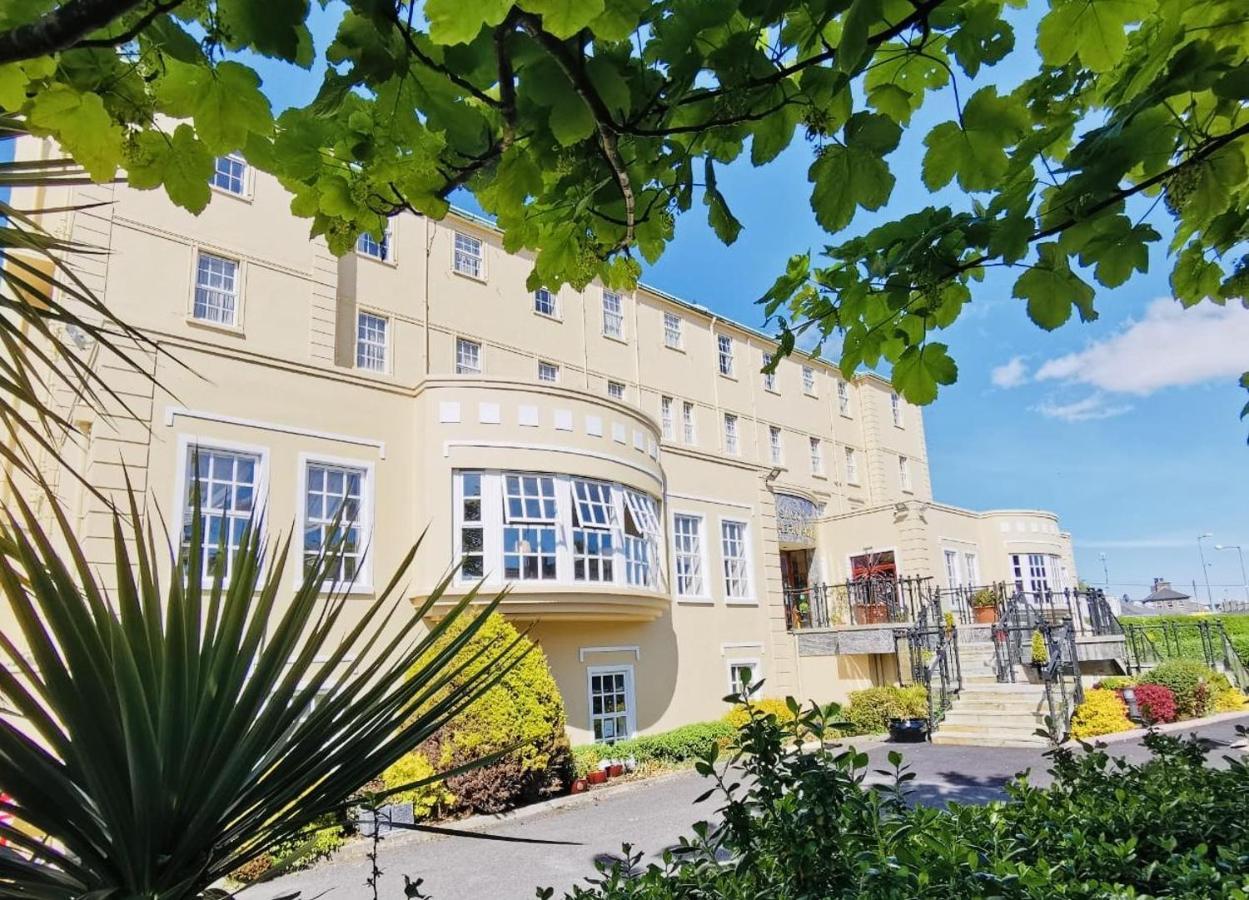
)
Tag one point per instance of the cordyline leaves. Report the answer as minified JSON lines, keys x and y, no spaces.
{"x":586,"y":126}
{"x":168,"y":734}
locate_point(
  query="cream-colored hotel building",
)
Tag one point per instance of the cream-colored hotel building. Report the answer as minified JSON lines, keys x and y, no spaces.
{"x":616,"y":457}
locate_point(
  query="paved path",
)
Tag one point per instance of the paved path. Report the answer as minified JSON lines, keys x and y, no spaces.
{"x":649,"y":814}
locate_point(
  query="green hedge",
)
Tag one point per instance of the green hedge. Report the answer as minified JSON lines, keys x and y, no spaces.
{"x":1236,"y":625}
{"x":668,"y":747}
{"x":871,"y":709}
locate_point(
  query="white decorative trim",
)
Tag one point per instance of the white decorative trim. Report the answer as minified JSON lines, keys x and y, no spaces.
{"x":563,"y":419}
{"x":489,"y":414}
{"x":527,"y":415}
{"x":675,"y":496}
{"x":742,"y":645}
{"x":594,"y":426}
{"x":624,"y":648}
{"x":552,"y":448}
{"x":367,"y":518}
{"x":449,"y":412}
{"x":171,"y":412}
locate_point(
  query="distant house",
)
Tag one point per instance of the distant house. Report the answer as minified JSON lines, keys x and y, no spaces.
{"x":1163,"y":600}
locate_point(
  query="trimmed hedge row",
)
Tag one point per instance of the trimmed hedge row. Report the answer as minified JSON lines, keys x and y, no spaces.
{"x":1235,"y":624}
{"x":666,"y":748}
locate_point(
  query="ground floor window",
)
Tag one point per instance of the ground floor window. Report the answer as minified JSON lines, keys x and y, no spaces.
{"x":228,"y":482}
{"x":951,"y":569}
{"x":873,"y":566}
{"x":1035,"y":572}
{"x":744,"y":674}
{"x":334,"y":515}
{"x":611,"y":703}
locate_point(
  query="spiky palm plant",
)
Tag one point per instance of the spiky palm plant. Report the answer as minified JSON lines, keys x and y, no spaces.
{"x":166,"y":735}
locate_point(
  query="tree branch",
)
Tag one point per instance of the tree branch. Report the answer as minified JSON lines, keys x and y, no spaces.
{"x":429,"y":62}
{"x":61,"y":28}
{"x":134,"y":30}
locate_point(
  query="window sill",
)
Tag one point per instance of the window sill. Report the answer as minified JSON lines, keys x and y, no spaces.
{"x":773,"y":391}
{"x":236,"y":330}
{"x":695,"y":601}
{"x":480,"y":279}
{"x":389,"y":261}
{"x":848,"y":416}
{"x":740,"y":601}
{"x":812,"y":394}
{"x":618,"y":340}
{"x":729,"y":375}
{"x":819,"y":475}
{"x":550,"y":317}
{"x":678,"y":349}
{"x":245,"y":197}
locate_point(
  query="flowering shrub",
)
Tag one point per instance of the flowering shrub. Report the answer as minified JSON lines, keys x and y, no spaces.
{"x":1102,"y":712}
{"x":872,"y":708}
{"x":1116,"y":682}
{"x":1189,"y":681}
{"x":739,"y":715}
{"x":1230,"y":700}
{"x":1156,"y":703}
{"x":426,"y":799}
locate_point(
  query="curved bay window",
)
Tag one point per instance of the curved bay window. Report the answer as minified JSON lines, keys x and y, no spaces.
{"x":558,"y":529}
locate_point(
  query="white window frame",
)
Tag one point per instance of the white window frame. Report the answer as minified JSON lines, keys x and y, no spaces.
{"x":363,"y":583}
{"x":756,"y":665}
{"x":702,"y":594}
{"x":459,"y":253}
{"x":551,"y":300}
{"x":554,"y":522}
{"x":746,"y":560}
{"x":808,"y":381}
{"x":817,"y":456}
{"x":460,"y":367}
{"x":236,"y":320}
{"x":776,"y":445}
{"x":674,"y":331}
{"x":613,"y":319}
{"x":724,"y":354}
{"x":895,"y":404}
{"x":852,"y":466}
{"x":594,"y":510}
{"x":479,"y":524}
{"x":617,"y":390}
{"x":904,"y":474}
{"x":971,"y":567}
{"x":732,"y":440}
{"x":667,"y":428}
{"x":186,"y":443}
{"x":245,"y":178}
{"x":364,"y":343}
{"x":630,"y":693}
{"x":769,"y":378}
{"x":548,"y":368}
{"x":689,"y":423}
{"x":953,"y":572}
{"x":386,"y":247}
{"x":843,"y":399}
{"x":644,"y":510}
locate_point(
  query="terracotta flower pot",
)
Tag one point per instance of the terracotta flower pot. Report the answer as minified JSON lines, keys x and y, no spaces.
{"x":597,"y":776}
{"x":579,"y":786}
{"x":984,"y":615}
{"x":616,"y":770}
{"x":871,"y":613}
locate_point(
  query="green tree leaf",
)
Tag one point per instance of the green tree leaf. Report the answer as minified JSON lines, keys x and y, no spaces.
{"x":571,"y":122}
{"x":229,"y":107}
{"x":459,"y":21}
{"x":854,"y":33}
{"x":975,"y":153}
{"x":564,"y":18}
{"x":1052,"y":289}
{"x":82,"y":125}
{"x":919,"y":370}
{"x":1096,"y":30}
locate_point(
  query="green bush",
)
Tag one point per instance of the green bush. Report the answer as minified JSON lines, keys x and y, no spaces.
{"x":1102,"y":712}
{"x":427,"y":799}
{"x":524,"y":707}
{"x":739,"y":715}
{"x":1116,"y":682}
{"x":872,"y":708}
{"x":1190,"y":682}
{"x":293,"y":854}
{"x":665,"y":748}
{"x":1235,"y":624}
{"x":798,"y":822}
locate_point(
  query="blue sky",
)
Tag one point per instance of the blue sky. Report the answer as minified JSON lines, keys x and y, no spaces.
{"x":1126,"y":427}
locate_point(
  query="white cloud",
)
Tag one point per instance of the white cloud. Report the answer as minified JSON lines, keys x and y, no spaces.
{"x":1170,"y":347}
{"x":1010,"y":374}
{"x":1094,"y":406}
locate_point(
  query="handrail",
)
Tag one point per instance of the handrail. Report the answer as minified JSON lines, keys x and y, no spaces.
{"x":1060,"y":642}
{"x":1231,"y":660}
{"x":942,"y":675}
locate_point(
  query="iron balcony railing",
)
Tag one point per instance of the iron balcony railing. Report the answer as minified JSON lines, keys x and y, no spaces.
{"x":874,"y":601}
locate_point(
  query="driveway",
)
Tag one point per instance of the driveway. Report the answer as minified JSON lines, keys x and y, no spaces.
{"x":648,"y":814}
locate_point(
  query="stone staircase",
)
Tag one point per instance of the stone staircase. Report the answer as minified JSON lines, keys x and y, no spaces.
{"x":987,"y":713}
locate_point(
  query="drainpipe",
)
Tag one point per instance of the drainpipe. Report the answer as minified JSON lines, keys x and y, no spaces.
{"x":429,"y":252}
{"x":715,"y":384}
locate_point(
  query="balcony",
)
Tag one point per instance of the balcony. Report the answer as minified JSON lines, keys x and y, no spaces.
{"x":857,"y":617}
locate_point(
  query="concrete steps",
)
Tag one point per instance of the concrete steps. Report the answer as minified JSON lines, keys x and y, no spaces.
{"x":988,"y":713}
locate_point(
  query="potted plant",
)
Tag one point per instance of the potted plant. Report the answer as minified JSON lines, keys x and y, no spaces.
{"x":615,"y":768}
{"x":948,"y":618}
{"x":908,"y":730}
{"x":596,"y":776}
{"x":579,"y":786}
{"x":983,"y":605}
{"x":1040,"y":650}
{"x":875,"y":613}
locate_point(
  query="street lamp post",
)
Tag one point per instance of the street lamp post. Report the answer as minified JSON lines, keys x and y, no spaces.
{"x":1241,"y":553}
{"x":1105,"y":571}
{"x":1204,"y":570}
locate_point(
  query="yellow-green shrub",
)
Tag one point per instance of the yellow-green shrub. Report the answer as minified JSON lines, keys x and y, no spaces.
{"x":524,"y":707}
{"x":1102,"y":712}
{"x":1230,"y":700}
{"x":425,"y":799}
{"x":739,"y":715}
{"x":872,"y":708}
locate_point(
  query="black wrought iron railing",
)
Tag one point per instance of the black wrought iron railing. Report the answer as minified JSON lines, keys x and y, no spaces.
{"x":1202,"y":639}
{"x":875,"y":601}
{"x":1060,"y":674}
{"x":934,"y":663}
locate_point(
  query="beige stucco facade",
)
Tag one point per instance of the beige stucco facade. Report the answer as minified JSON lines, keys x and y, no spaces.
{"x":277,"y":389}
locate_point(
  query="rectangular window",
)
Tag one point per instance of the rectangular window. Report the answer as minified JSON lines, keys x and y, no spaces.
{"x":467,"y":357}
{"x":616,"y":390}
{"x":672,"y":330}
{"x":548,"y":372}
{"x":688,"y":422}
{"x":730,"y":434}
{"x":613,"y":315}
{"x":1031,"y":571}
{"x":472,"y":527}
{"x":230,"y":175}
{"x":734,"y":548}
{"x":330,"y":492}
{"x":971,"y":568}
{"x":371,"y":342}
{"x":529,"y":520}
{"x":368,"y":245}
{"x":593,"y":521}
{"x":743,"y":675}
{"x":687,"y":539}
{"x":904,"y":473}
{"x":642,"y":535}
{"x":817,"y":456}
{"x":611,"y":704}
{"x":769,"y":378}
{"x":467,"y":259}
{"x":843,"y":398}
{"x":951,"y":569}
{"x":895,"y":404}
{"x":725,"y":344}
{"x":852,"y":466}
{"x":808,"y":380}
{"x":228,"y":483}
{"x":216,"y":289}
{"x":544,"y":303}
{"x":665,"y":417}
{"x":774,"y":442}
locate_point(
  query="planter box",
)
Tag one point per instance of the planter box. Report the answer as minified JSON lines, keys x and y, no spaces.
{"x":871,"y":613}
{"x":984,"y":615}
{"x":388,"y":817}
{"x":908,"y":731}
{"x":597,"y":776}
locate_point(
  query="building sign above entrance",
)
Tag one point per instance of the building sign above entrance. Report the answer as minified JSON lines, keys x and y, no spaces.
{"x":795,"y":519}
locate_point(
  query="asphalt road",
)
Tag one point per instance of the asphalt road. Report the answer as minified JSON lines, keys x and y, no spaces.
{"x":648,"y":814}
